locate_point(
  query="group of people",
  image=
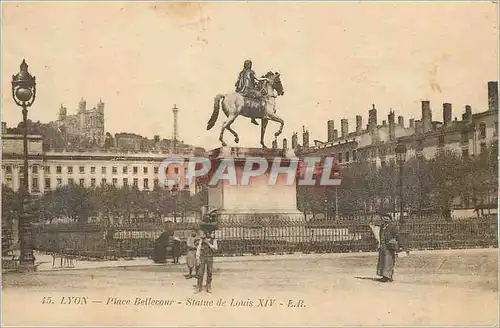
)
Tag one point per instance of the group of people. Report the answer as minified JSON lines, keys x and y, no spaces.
{"x":202,"y":245}
{"x":201,"y":248}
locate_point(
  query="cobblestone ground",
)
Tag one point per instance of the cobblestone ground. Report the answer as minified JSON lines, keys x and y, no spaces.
{"x":456,"y":288}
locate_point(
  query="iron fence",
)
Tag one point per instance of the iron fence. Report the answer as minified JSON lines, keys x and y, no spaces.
{"x":272,"y":234}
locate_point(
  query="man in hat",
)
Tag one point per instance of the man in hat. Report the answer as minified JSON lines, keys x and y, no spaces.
{"x":205,"y":254}
{"x":389,"y":245}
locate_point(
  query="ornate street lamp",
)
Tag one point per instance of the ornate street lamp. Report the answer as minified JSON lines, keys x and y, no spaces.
{"x":174,"y":192}
{"x":24,"y":93}
{"x":401,"y":159}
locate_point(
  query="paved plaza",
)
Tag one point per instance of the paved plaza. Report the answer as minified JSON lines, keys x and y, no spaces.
{"x":432,"y":288}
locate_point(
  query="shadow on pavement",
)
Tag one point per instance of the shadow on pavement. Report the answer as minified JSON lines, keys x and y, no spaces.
{"x":368,"y":278}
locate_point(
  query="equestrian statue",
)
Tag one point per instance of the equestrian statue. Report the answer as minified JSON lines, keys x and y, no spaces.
{"x":254,"y":98}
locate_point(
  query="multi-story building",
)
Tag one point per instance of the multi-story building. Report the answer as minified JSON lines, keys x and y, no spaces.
{"x":49,"y":170}
{"x":472,"y":135}
{"x":86,"y":126}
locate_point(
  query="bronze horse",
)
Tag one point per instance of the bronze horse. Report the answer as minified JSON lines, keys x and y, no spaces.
{"x":235,"y":104}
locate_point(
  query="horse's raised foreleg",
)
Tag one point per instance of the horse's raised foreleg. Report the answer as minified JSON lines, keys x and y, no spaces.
{"x":263,"y":131}
{"x":226,"y":125}
{"x":275,"y":118}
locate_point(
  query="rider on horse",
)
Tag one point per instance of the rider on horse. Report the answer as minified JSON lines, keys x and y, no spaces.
{"x":247,"y":82}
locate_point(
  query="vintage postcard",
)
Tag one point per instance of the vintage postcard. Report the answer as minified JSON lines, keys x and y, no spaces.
{"x":249,"y":163}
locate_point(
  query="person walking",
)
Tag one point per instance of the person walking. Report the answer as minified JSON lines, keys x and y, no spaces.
{"x":388,"y":247}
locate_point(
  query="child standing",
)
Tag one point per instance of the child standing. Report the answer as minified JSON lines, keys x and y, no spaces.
{"x":176,"y":249}
{"x":192,"y":245}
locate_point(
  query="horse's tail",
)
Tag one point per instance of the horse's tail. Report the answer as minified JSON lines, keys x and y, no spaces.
{"x":215,"y":113}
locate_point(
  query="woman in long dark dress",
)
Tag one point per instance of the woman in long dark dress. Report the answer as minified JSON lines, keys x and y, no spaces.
{"x":160,"y":248}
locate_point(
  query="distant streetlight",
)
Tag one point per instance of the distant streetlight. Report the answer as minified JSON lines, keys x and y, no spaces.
{"x":174,"y":192}
{"x":24,"y":94}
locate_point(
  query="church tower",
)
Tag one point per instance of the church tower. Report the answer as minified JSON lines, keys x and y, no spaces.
{"x":82,"y":106}
{"x":63,"y":113}
{"x":100,"y":106}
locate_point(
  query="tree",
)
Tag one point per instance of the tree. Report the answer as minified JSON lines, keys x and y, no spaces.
{"x":74,"y":202}
{"x":12,"y":203}
{"x":108,"y":141}
{"x":107,"y":200}
{"x":445,"y":171}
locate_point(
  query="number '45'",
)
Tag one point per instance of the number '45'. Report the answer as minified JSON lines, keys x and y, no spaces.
{"x":47,"y":300}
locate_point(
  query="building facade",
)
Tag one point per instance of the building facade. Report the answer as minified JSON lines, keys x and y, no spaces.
{"x":472,"y":135}
{"x":50,"y":170}
{"x":375,"y":144}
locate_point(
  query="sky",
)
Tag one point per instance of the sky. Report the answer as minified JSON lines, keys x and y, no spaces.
{"x":335,"y":61}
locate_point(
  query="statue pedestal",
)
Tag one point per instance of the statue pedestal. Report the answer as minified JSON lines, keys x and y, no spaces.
{"x":259,"y":196}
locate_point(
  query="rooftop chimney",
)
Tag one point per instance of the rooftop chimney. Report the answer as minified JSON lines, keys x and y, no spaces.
{"x":285,"y":143}
{"x":392,"y":125}
{"x":344,"y":128}
{"x":305,"y":137}
{"x":359,"y":123}
{"x":335,"y":135}
{"x":330,"y":127}
{"x":295,"y":141}
{"x":401,"y":121}
{"x":372,"y":118}
{"x":446,"y":114}
{"x":493,"y":95}
{"x":4,"y":128}
{"x":418,"y":127}
{"x":426,"y":116}
{"x":467,"y":116}
{"x":412,"y":123}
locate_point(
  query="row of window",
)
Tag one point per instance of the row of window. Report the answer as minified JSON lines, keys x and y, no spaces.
{"x":93,"y":182}
{"x":482,"y":130}
{"x":482,"y":133}
{"x":81,"y":169}
{"x":341,"y":159}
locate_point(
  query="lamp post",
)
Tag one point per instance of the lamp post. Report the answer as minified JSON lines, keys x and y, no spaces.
{"x":336,"y":202}
{"x":326,"y":208}
{"x":447,"y":204}
{"x":175,"y":192}
{"x":401,"y":159}
{"x":24,"y":94}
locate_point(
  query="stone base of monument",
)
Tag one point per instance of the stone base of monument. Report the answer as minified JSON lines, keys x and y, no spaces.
{"x":259,"y":196}
{"x":264,"y":215}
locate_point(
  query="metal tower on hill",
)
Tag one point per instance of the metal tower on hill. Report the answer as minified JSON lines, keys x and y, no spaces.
{"x":175,"y":110}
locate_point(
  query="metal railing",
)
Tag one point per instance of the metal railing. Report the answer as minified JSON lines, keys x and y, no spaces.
{"x":257,"y":234}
